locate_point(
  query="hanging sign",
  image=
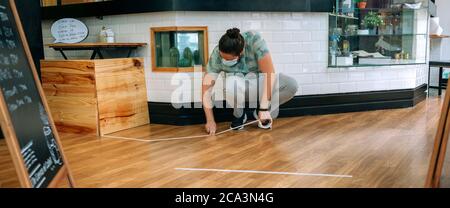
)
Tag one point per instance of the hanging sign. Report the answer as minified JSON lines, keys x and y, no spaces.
{"x":69,"y":30}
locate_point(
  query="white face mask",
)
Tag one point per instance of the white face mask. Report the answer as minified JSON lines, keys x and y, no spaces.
{"x":230,"y":63}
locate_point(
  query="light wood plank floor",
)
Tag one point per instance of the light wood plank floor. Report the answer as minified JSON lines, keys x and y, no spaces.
{"x":386,"y":148}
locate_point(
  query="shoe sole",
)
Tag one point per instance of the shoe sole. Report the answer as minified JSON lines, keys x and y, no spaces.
{"x":242,"y":126}
{"x":260,"y":124}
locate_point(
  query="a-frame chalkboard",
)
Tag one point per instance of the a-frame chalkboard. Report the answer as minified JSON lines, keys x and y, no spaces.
{"x":440,"y":145}
{"x":29,"y":130}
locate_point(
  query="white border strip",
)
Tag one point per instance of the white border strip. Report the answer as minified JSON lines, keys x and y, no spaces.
{"x":265,"y":172}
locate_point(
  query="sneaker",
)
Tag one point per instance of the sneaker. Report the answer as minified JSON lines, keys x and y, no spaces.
{"x":262,"y":125}
{"x":238,"y":123}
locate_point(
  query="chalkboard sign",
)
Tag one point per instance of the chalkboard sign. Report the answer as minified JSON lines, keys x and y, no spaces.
{"x":69,"y":30}
{"x":26,"y":124}
{"x":440,"y":154}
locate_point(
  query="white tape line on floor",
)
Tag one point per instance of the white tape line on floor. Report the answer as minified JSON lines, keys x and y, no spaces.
{"x":265,"y":172}
{"x":175,"y":138}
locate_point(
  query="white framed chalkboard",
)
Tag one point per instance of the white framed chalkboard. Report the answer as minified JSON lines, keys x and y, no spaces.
{"x":29,"y":130}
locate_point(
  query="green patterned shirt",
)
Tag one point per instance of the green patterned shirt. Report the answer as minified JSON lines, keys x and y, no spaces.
{"x":255,"y":49}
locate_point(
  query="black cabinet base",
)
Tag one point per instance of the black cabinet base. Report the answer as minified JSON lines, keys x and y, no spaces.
{"x":103,"y":8}
{"x":165,"y":113}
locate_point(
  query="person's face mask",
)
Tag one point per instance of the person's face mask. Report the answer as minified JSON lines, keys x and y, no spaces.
{"x":230,"y":62}
{"x":230,"y":59}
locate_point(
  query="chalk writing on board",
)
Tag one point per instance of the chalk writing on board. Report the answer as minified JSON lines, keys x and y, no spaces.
{"x":37,"y":175}
{"x":17,"y":74}
{"x":23,"y":87}
{"x":29,"y":155}
{"x":19,"y":103}
{"x":7,"y":60}
{"x":14,"y":59}
{"x":5,"y":74}
{"x":3,"y":17}
{"x":9,"y":93}
{"x":38,"y":171}
{"x":51,"y":143}
{"x":4,"y":60}
{"x":11,"y":44}
{"x":7,"y":32}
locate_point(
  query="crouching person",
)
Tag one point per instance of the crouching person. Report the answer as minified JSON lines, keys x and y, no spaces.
{"x":249,"y":77}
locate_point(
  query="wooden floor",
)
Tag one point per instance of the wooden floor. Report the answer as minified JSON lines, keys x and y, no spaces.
{"x":387,"y":148}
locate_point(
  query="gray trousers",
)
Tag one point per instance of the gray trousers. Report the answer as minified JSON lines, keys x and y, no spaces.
{"x":239,"y":90}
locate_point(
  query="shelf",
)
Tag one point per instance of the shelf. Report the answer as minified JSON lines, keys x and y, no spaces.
{"x":394,"y":63}
{"x":384,"y":10}
{"x":343,"y":16}
{"x":434,"y":36}
{"x":378,"y":35}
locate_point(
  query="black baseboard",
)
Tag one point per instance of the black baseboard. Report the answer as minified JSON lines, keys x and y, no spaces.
{"x":165,"y":113}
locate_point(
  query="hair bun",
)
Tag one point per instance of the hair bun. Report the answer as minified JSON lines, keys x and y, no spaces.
{"x":233,"y":33}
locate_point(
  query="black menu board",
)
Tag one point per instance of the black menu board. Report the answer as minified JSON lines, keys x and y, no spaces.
{"x":29,"y":120}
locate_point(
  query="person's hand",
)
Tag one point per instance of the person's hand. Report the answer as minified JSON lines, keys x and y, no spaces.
{"x":264,"y":116}
{"x":211,"y":127}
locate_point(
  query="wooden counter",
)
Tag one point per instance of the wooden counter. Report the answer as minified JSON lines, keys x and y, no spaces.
{"x":96,"y":96}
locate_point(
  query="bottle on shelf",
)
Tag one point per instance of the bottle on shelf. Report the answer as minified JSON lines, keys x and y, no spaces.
{"x":345,"y":47}
{"x":397,"y":30}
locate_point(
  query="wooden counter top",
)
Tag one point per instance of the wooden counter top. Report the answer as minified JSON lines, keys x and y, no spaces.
{"x":434,"y":36}
{"x":96,"y":45}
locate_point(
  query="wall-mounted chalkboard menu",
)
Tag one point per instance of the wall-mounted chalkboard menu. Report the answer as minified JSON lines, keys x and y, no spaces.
{"x":26,"y":124}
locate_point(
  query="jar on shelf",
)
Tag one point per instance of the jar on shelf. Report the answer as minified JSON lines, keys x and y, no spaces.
{"x":351,"y":30}
{"x":405,"y":55}
{"x":106,"y":35}
{"x":337,"y":31}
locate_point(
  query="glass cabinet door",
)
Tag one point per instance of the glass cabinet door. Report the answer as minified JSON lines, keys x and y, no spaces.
{"x":179,"y":49}
{"x":378,"y":32}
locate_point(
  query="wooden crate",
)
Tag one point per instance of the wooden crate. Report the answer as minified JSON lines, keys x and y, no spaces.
{"x":96,"y":96}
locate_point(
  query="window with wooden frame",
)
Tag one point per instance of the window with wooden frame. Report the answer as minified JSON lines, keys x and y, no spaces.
{"x":179,"y":49}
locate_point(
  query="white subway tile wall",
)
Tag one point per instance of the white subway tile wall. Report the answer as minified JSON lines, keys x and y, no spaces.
{"x":298,"y":43}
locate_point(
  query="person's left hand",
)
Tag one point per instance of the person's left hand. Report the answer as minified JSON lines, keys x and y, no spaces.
{"x":264,"y":116}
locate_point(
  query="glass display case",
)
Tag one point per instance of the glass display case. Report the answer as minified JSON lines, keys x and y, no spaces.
{"x":378,"y":32}
{"x":179,"y":48}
